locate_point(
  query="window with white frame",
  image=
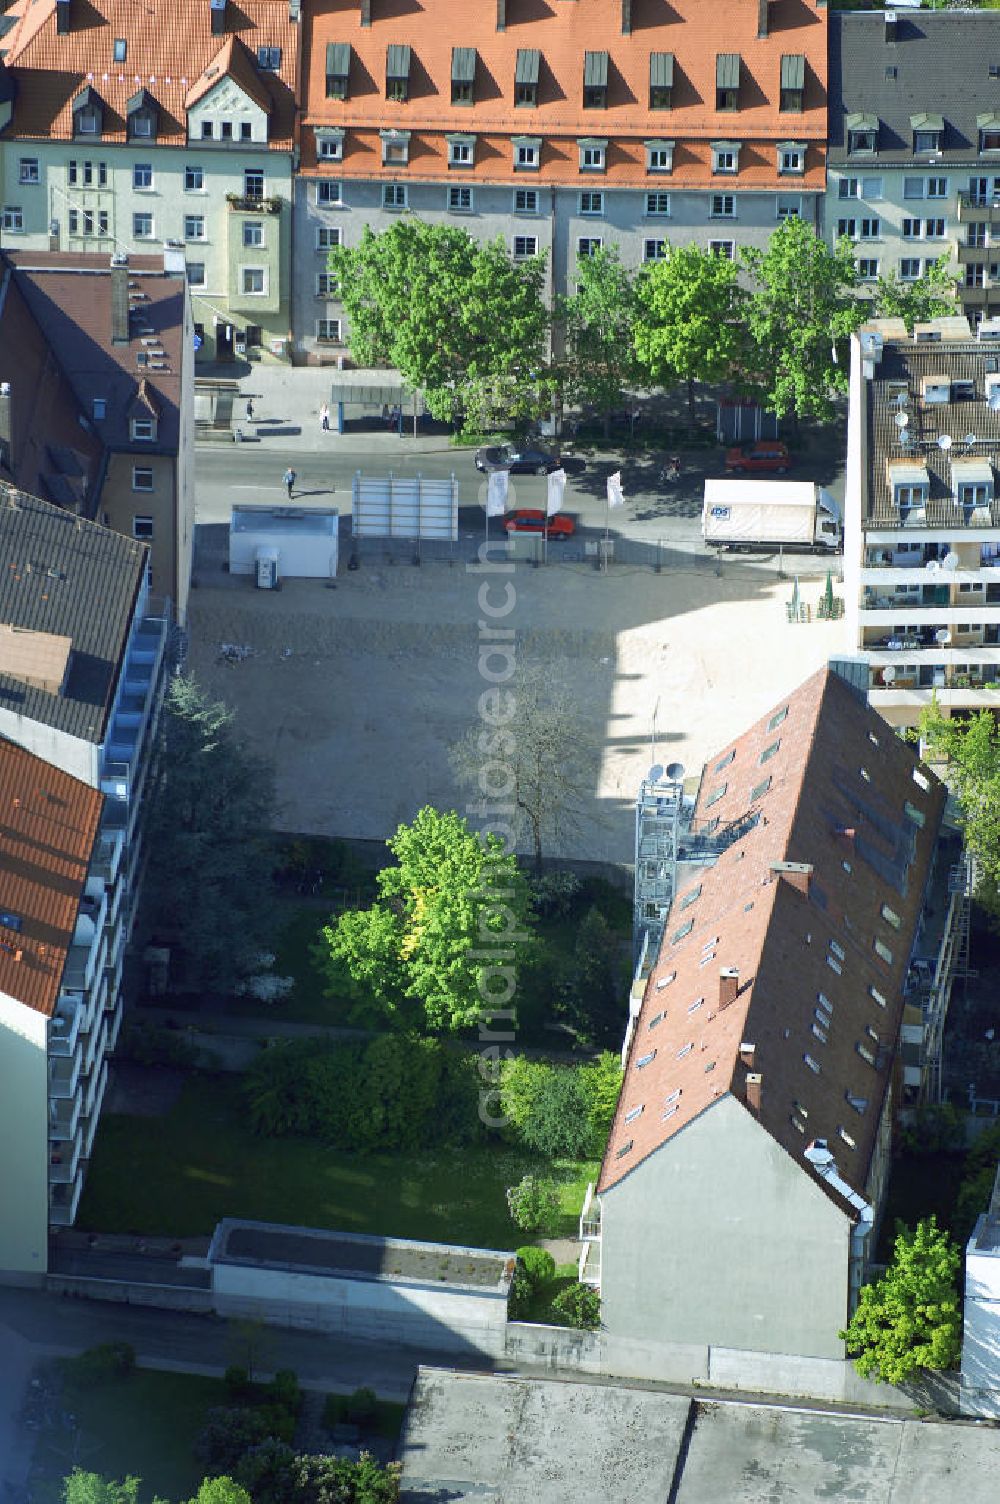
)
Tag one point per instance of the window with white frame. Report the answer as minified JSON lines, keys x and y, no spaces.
{"x":460,"y":151}
{"x":194,"y":227}
{"x":909,"y":268}
{"x":142,"y":175}
{"x":525,"y":200}
{"x":725,"y":248}
{"x":142,"y":226}
{"x":194,"y":179}
{"x":328,"y":194}
{"x":88,"y":221}
{"x":27,"y":170}
{"x":328,"y":330}
{"x":327,"y":236}
{"x":935,"y":229}
{"x":330,"y":148}
{"x":791,"y":160}
{"x":394,"y":196}
{"x":849,"y":188}
{"x":723,"y":206}
{"x":657,"y":205}
{"x":195,"y":272}
{"x":253,"y":182}
{"x":659,"y":156}
{"x":395,"y":149}
{"x":591,"y":203}
{"x":142,"y":478}
{"x":593,"y":156}
{"x":725,"y":159}
{"x":253,"y":233}
{"x":788,"y":206}
{"x":870,"y":229}
{"x":87,"y":121}
{"x":910,"y":229}
{"x":12,"y":218}
{"x":226,"y":130}
{"x":654,"y":250}
{"x":253,"y":281}
{"x":460,"y":200}
{"x":862,"y":140}
{"x":848,"y":227}
{"x":868,"y":268}
{"x":327,"y":285}
{"x":937,"y":187}
{"x":525,"y":246}
{"x":143,"y":430}
{"x":588,"y":245}
{"x":526,"y":155}
{"x":142,"y":527}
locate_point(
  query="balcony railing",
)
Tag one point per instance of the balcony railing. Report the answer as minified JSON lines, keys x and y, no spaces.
{"x":976,"y":210}
{"x":253,"y":203}
{"x":64,"y":1159}
{"x":64,"y":1201}
{"x":589,"y":1267}
{"x":64,"y":1117}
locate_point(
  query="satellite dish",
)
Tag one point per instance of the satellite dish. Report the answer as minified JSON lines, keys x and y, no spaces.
{"x":655,"y":773}
{"x":995,"y":399}
{"x":944,"y":442}
{"x":969,"y":440}
{"x":901,"y":420}
{"x":902,"y":398}
{"x":675,"y":772}
{"x":888,"y":674}
{"x":942,"y":635}
{"x":950,"y":561}
{"x":933,"y":566}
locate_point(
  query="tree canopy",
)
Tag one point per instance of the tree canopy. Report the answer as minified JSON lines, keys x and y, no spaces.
{"x":911,"y":1318}
{"x":598,"y":319}
{"x":688,"y":320}
{"x":971,"y":749}
{"x":442,"y":307}
{"x":915,"y":302}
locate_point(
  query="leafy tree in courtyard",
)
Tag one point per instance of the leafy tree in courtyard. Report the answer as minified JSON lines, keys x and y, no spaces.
{"x":915,"y":302}
{"x":441,"y":307}
{"x":536,"y":750}
{"x":208,"y":884}
{"x":803,"y":306}
{"x":911,"y":1318}
{"x":971,"y":749}
{"x":595,"y":986}
{"x":82,"y":1487}
{"x":598,"y":320}
{"x":221,"y":1490}
{"x":438,"y":908}
{"x":688,"y":321}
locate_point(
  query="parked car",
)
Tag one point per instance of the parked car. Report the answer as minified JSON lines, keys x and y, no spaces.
{"x":526,"y":458}
{"x":533,"y":520}
{"x":762,"y":455}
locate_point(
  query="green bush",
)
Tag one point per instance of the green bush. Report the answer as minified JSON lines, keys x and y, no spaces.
{"x":534,"y":1204}
{"x":520,"y":1294}
{"x":237,"y":1382}
{"x":284,"y":1390}
{"x":537,"y":1263}
{"x":148,"y":1044}
{"x":103,"y":1364}
{"x":552,"y":893}
{"x":362,"y":1408}
{"x":547,"y":1107}
{"x":578,"y":1306}
{"x":937,"y":1128}
{"x":334,"y":1410}
{"x":229,"y":1432}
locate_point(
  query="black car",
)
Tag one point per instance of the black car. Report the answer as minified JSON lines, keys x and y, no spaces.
{"x":520,"y":459}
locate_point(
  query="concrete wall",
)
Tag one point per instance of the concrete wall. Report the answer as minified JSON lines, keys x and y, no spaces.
{"x":720,"y":1239}
{"x":373,"y":1310}
{"x":981,"y":1340}
{"x":24,"y":1135}
{"x":69,"y":753}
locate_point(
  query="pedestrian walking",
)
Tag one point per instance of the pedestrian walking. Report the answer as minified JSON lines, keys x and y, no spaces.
{"x":249,"y":409}
{"x":289,"y":480}
{"x":324,"y":418}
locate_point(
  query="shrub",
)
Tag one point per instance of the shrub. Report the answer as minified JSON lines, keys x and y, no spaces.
{"x":578,"y":1306}
{"x":229,"y":1432}
{"x":936,"y":1128}
{"x":334,"y":1410}
{"x":520,"y":1293}
{"x":102,"y":1364}
{"x":284,"y":1390}
{"x":537,"y":1263}
{"x":552,"y":893}
{"x":362,"y":1408}
{"x":534,"y":1204}
{"x":237,"y":1382}
{"x":546,"y":1106}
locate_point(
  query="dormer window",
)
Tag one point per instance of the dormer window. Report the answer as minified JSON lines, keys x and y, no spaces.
{"x":463,"y":75}
{"x":928,"y":131}
{"x":725,"y":156}
{"x":862,"y":135}
{"x":727,"y":81}
{"x":791,"y":158}
{"x":659,"y":156}
{"x":935,"y":388}
{"x":909,"y":484}
{"x":595,"y":80}
{"x":395,"y":148}
{"x":397,"y":73}
{"x":661,"y":80}
{"x":143,"y":430}
{"x":141,"y":116}
{"x":593,"y":155}
{"x":338,"y":69}
{"x":269,"y":59}
{"x":461,"y":151}
{"x":88,"y":113}
{"x":989,"y":131}
{"x":526,"y":77}
{"x":972,"y":482}
{"x":329,"y":145}
{"x":793,"y":83}
{"x":527,"y":153}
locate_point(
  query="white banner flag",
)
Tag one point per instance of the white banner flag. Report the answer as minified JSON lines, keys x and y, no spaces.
{"x":616,"y":496}
{"x":496,"y":493}
{"x":556,"y":491}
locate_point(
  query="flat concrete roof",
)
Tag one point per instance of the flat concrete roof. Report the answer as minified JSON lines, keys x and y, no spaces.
{"x":310,"y":1250}
{"x":497,"y":1439}
{"x":298,"y":521}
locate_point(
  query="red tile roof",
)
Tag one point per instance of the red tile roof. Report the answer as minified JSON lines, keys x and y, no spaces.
{"x":563,"y":33}
{"x":170,"y":44}
{"x":802,"y":941}
{"x":48,"y":823}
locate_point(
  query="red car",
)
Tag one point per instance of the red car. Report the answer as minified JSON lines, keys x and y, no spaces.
{"x":533,"y":520}
{"x":764,"y":455}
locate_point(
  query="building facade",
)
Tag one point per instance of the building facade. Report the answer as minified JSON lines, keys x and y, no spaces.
{"x":558,"y":131}
{"x":153,"y":128}
{"x":747,"y":1164}
{"x":914,"y":151}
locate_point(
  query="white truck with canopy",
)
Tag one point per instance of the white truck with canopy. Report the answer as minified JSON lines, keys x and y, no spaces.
{"x":760,"y":514}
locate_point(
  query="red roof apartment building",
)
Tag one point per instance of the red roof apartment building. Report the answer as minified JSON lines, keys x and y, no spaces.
{"x":559,"y":128}
{"x":746,"y":1167}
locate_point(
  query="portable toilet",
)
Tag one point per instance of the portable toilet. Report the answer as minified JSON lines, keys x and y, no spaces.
{"x":266,"y":563}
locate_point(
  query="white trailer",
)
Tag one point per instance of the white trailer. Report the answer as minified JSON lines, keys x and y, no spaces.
{"x":752,"y":514}
{"x":276,"y":543}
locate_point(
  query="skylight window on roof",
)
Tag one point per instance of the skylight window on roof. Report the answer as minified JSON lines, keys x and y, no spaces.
{"x":921,"y":780}
{"x":847,"y":868}
{"x":625,"y":1149}
{"x":657,"y":1018}
{"x":121,"y":47}
{"x":821,"y":1017}
{"x":878,"y":996}
{"x":797,"y":1122}
{"x":820,"y":1034}
{"x":669,"y":1111}
{"x":634,"y":1112}
{"x":882,"y":951}
{"x":803,"y":1112}
{"x":834,"y":964}
{"x":872,"y":1033}
{"x":674,"y":1096}
{"x":685,"y":929}
{"x":645,"y":1060}
{"x":710,"y":1067}
{"x":690,"y":897}
{"x":759,"y":790}
{"x":848,"y":1140}
{"x":865,"y":775}
{"x":724,"y":761}
{"x":824,"y":1001}
{"x":812,"y":1063}
{"x":716,"y":795}
{"x":769,"y":752}
{"x":710,"y":944}
{"x":698,"y":1003}
{"x":912,"y":813}
{"x":662,"y":982}
{"x":865,"y":1052}
{"x":838,"y":950}
{"x":858,"y":1103}
{"x":890,"y":916}
{"x":776,"y":719}
{"x":873,"y":738}
{"x":10,"y":920}
{"x":685,"y":1049}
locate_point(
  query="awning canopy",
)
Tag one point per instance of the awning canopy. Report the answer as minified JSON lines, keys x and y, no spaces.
{"x":526,"y":68}
{"x":793,"y":71}
{"x":661,"y":70}
{"x":338,"y":59}
{"x":727,"y":70}
{"x":463,"y":65}
{"x":397,"y":62}
{"x":595,"y":69}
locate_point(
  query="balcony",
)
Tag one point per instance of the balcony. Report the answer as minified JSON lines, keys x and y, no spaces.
{"x":64,"y":1159}
{"x":64,"y":1027}
{"x":243,"y":203}
{"x":590,"y":1216}
{"x":975,"y":255}
{"x":589,"y":1267}
{"x":882,"y":611}
{"x":94,"y":1094}
{"x":64,"y":1117}
{"x":978,"y":211}
{"x":64,"y":1200}
{"x":64,"y":1077}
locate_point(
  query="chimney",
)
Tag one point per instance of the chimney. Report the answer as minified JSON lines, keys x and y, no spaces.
{"x":747,"y":1052}
{"x":119,"y":298}
{"x":6,"y":427}
{"x":796,"y":874}
{"x":729,"y":985}
{"x":501,"y":15}
{"x":366,"y":12}
{"x":762,"y":22}
{"x":755,"y":1083}
{"x":62,"y":17}
{"x":218,"y":8}
{"x":626,"y":18}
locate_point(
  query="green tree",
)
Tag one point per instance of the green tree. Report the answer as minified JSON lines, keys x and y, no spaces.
{"x":450,"y":895}
{"x":441,"y":307}
{"x":547,"y":1106}
{"x":915,"y":302}
{"x":599,"y":322}
{"x":688,"y":325}
{"x":911,"y":1318}
{"x":339,"y":1480}
{"x":594,"y":986}
{"x":971,"y":750}
{"x":222,"y":1490}
{"x":207,"y":892}
{"x":534,"y":1204}
{"x":82,"y":1487}
{"x":578,"y":1306}
{"x":802,"y":308}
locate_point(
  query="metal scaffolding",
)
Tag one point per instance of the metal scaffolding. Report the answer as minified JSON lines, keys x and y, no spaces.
{"x":952,"y":963}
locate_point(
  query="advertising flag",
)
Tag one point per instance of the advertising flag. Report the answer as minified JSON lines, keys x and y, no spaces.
{"x":556,"y":491}
{"x":616,"y":496}
{"x":496,"y":493}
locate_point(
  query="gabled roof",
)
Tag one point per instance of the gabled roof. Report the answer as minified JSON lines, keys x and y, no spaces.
{"x":833,"y":833}
{"x":75,"y":579}
{"x":48,"y":824}
{"x":231,"y":61}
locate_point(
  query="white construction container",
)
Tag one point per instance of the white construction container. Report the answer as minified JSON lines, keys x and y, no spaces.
{"x":753,"y":514}
{"x":302,"y":542}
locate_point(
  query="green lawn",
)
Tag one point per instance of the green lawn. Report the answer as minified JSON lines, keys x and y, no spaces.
{"x":176,"y":1175}
{"x":540,"y":1307}
{"x":306,"y":1003}
{"x":144,"y":1425}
